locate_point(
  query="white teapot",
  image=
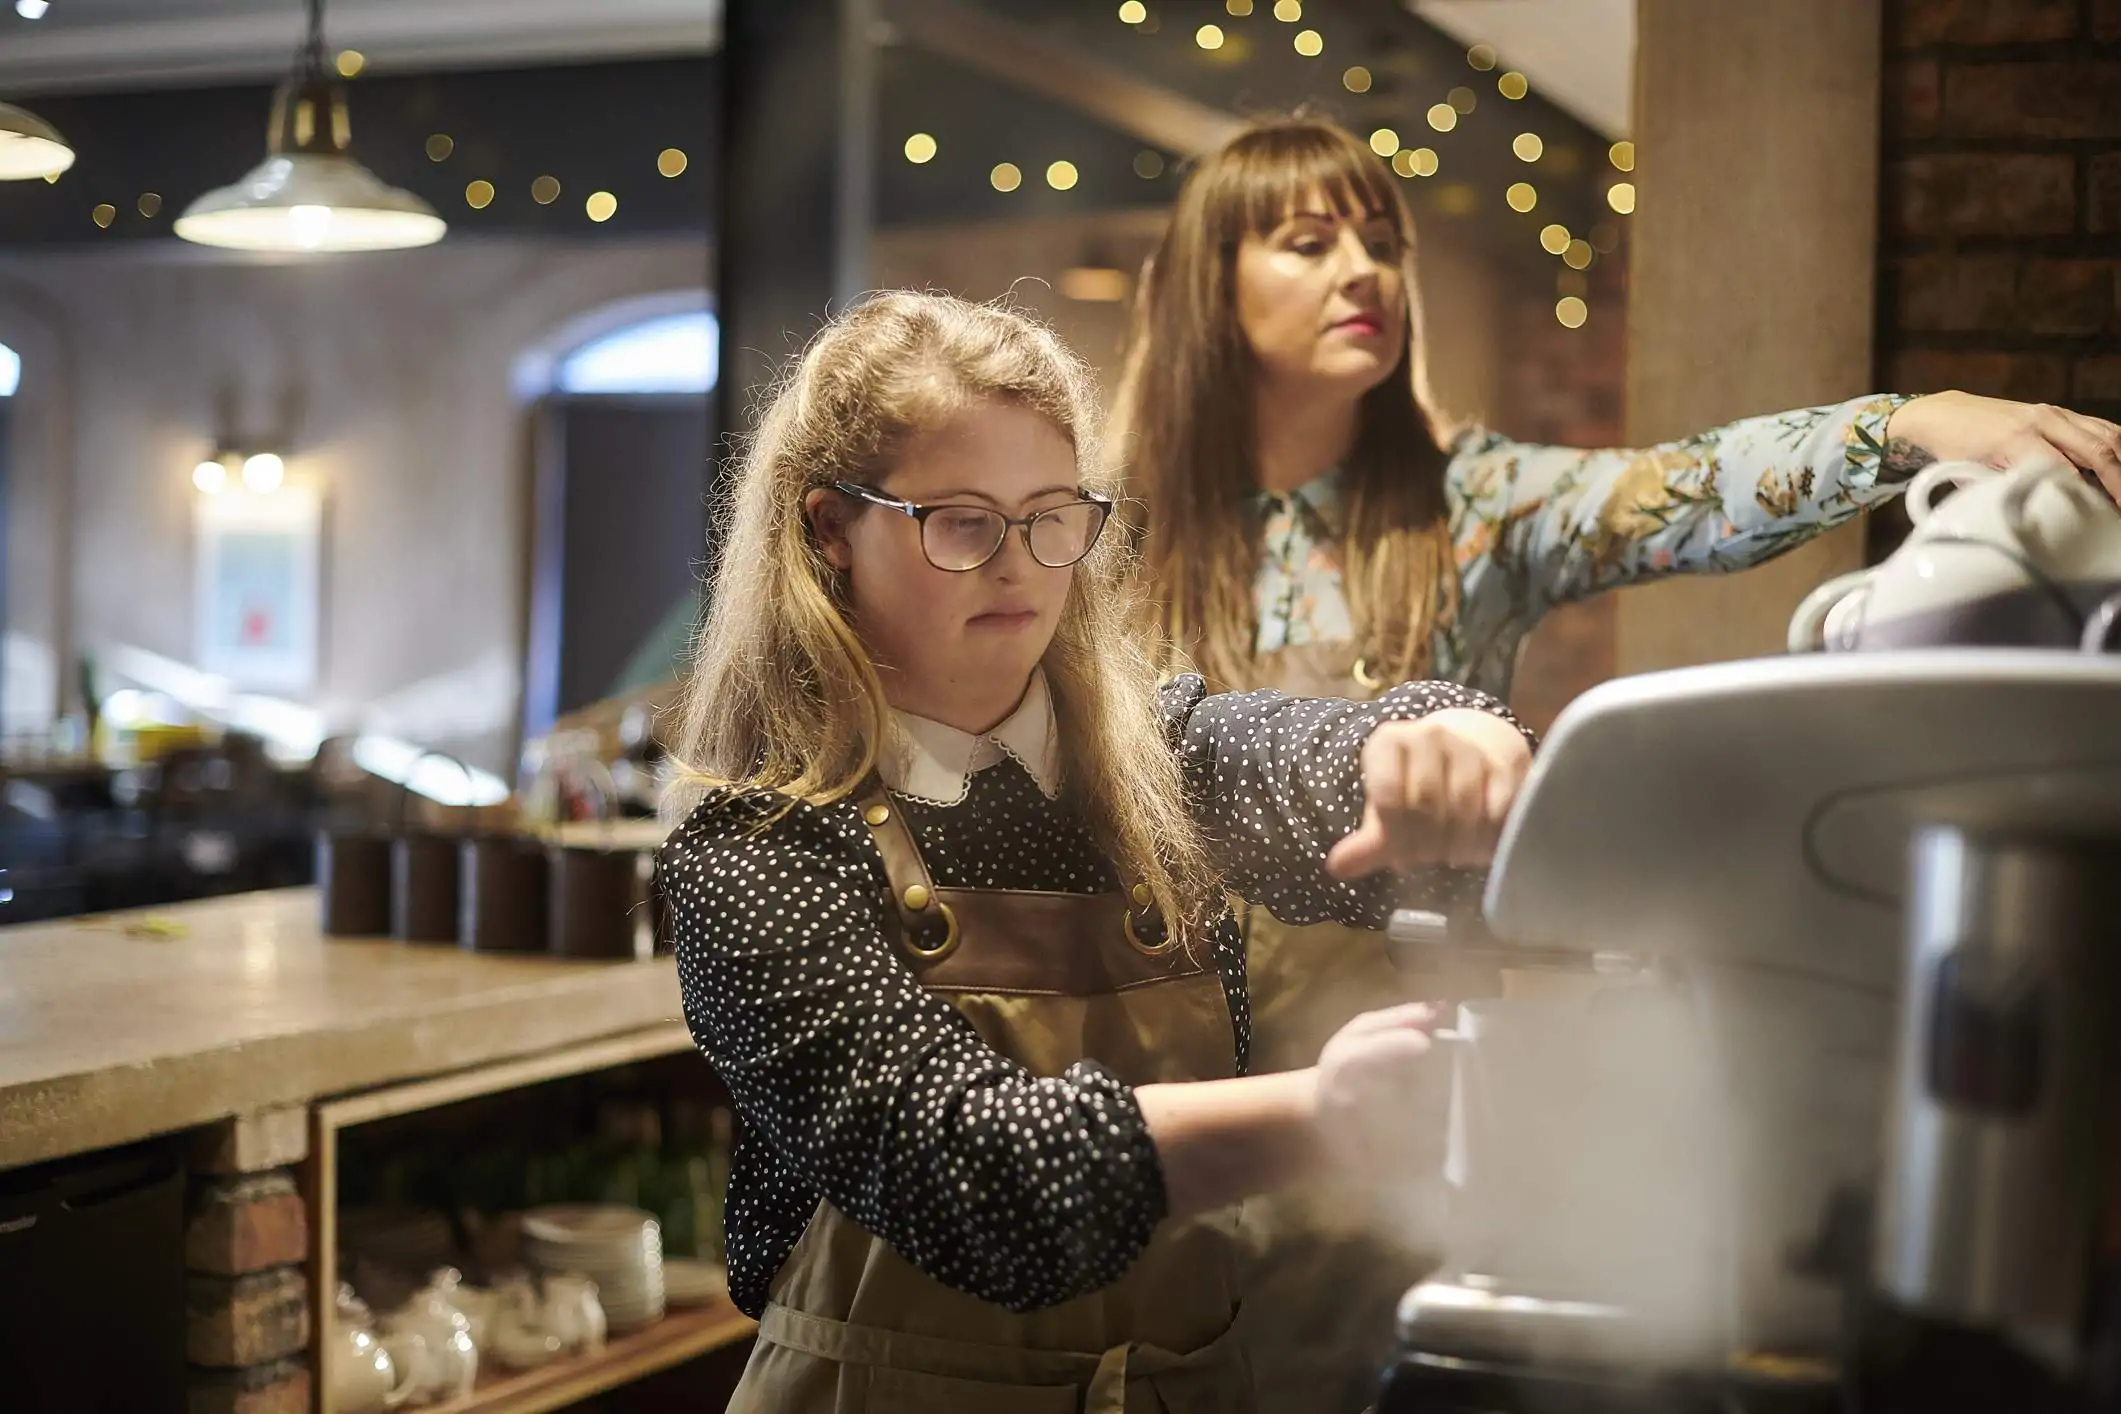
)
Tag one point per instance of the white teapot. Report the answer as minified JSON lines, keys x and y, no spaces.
{"x":2024,"y":558}
{"x":574,"y":1311}
{"x":522,"y":1339}
{"x":364,"y":1377}
{"x":436,"y":1337}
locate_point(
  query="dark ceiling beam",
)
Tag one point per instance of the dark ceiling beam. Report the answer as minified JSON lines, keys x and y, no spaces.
{"x":1032,"y":62}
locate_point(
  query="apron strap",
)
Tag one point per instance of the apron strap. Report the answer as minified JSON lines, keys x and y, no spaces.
{"x":1108,"y":1387}
{"x":847,"y":1343}
{"x":1103,"y":1377}
{"x":912,"y":887}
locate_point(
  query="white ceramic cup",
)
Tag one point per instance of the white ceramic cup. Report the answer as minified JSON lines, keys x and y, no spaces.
{"x":1998,"y":534}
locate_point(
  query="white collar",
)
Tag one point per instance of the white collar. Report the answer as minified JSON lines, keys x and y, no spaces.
{"x":934,"y":762}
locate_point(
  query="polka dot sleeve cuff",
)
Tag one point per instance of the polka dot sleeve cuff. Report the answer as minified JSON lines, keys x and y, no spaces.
{"x":1276,"y":781}
{"x":856,"y":1085}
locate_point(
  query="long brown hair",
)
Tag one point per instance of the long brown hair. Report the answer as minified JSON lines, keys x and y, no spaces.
{"x":783,"y":696}
{"x":1183,"y":430}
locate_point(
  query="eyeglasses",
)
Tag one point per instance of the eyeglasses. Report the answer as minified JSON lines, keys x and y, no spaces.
{"x":959,"y":538}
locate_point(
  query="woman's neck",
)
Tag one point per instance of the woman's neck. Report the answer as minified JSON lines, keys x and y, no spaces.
{"x":1299,"y":434}
{"x":973,"y":708}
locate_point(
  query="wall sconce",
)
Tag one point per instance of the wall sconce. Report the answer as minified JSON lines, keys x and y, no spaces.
{"x":1097,"y":279}
{"x":259,"y":472}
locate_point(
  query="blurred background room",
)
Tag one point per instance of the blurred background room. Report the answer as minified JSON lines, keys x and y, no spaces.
{"x":365,"y":372}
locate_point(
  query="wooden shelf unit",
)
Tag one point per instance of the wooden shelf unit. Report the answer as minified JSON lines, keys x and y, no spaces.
{"x":678,"y":1337}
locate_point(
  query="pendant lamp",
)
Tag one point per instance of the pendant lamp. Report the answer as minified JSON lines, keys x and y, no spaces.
{"x":309,"y":194}
{"x":30,"y":147}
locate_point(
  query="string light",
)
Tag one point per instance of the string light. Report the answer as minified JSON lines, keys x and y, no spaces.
{"x":671,"y":162}
{"x":1621,"y":197}
{"x":1403,"y":162}
{"x":1309,"y":44}
{"x":1623,"y":155}
{"x":1513,"y":85}
{"x":1521,"y":196}
{"x":545,"y":190}
{"x":1148,"y":164}
{"x":479,"y":195}
{"x":1528,"y":147}
{"x":1443,"y":117}
{"x":32,"y":9}
{"x":1462,"y":99}
{"x":1061,"y":176}
{"x":1356,"y":80}
{"x":1384,"y":142}
{"x":210,"y":476}
{"x":103,"y":215}
{"x":1554,"y":239}
{"x":920,"y":148}
{"x":1571,"y":311}
{"x":351,"y":62}
{"x":1005,"y":176}
{"x":601,"y":206}
{"x":150,"y":203}
{"x":1578,"y":255}
{"x":1239,"y":8}
{"x":1209,"y":36}
{"x":1133,"y":12}
{"x":439,"y":146}
{"x":1288,"y":11}
{"x":1425,"y":163}
{"x":1481,"y":57}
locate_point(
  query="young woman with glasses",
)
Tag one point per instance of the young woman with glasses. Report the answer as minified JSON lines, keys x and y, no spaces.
{"x":950,"y":912}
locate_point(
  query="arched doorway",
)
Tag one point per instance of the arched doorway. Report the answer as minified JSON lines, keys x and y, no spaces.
{"x":623,"y":441}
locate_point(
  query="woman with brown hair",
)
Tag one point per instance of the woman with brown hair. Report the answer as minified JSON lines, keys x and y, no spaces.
{"x":1313,"y":524}
{"x":949,"y":911}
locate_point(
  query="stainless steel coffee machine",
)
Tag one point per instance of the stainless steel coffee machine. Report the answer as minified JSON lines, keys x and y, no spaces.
{"x":1886,"y":890}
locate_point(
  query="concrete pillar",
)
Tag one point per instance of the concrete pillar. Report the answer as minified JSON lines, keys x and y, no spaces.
{"x":1754,"y":251}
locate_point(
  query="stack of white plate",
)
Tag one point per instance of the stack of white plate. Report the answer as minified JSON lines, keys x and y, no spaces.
{"x":620,"y":1249}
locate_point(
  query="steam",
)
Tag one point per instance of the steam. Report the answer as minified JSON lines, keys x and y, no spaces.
{"x":1656,"y":1148}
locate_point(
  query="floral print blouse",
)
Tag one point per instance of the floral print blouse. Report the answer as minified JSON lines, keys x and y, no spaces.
{"x":1539,"y":526}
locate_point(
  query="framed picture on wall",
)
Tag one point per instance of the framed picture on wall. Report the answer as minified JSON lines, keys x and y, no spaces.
{"x":258,"y":585}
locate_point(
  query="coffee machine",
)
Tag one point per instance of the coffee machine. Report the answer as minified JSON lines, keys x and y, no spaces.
{"x":1869,"y":905}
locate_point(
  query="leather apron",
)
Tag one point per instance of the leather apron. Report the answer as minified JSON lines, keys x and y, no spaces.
{"x":1326,"y":1263}
{"x":1047,"y":979}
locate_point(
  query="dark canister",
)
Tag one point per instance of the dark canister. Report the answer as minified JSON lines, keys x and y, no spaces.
{"x":424,"y":876}
{"x":425,"y":871}
{"x":353,"y":883}
{"x":503,"y":887}
{"x":600,"y":905}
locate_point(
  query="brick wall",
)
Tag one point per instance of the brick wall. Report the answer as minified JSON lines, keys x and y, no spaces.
{"x":2000,"y":238}
{"x":1566,"y":387}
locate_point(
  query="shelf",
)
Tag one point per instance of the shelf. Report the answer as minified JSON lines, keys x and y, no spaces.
{"x":676,"y":1338}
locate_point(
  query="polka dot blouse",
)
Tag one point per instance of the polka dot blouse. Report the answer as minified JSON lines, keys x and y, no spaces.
{"x":857,"y":1086}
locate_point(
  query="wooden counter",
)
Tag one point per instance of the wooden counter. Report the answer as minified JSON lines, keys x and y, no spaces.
{"x":116,"y":1028}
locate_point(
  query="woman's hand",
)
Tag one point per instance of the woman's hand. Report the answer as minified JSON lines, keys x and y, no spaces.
{"x":1436,"y":791}
{"x":1373,"y":1108}
{"x":1960,"y":427}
